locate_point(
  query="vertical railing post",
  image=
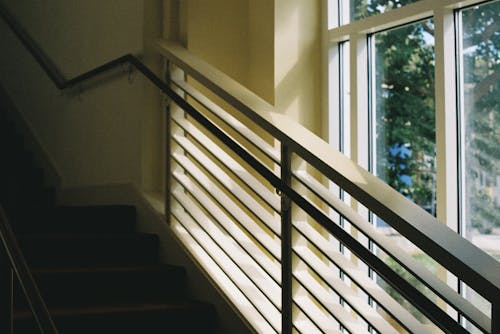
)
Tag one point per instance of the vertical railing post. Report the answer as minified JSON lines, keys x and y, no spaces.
{"x":168,"y":118}
{"x":286,"y":245}
{"x":495,"y":315}
{"x":6,"y":293}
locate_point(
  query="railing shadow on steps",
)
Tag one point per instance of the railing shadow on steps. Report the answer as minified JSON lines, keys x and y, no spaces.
{"x":457,"y":255}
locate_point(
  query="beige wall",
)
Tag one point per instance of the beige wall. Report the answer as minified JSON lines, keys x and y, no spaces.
{"x":271,"y":47}
{"x":112,"y":133}
{"x":236,"y":37}
{"x":103,"y":134}
{"x":297,"y":61}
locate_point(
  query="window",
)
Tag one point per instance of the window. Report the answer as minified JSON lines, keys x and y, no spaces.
{"x":480,"y":111}
{"x":424,"y":108}
{"x":479,"y":60}
{"x":361,"y":9}
{"x":403,"y":121}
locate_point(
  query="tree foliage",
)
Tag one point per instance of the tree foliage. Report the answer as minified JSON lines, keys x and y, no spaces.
{"x":404,"y":111}
{"x":481,"y":57}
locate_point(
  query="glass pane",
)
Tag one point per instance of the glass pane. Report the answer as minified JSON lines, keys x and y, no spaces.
{"x":360,"y":9}
{"x":404,"y":115}
{"x":481,"y":124}
{"x":403,"y":132}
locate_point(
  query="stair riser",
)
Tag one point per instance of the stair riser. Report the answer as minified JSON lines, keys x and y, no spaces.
{"x":73,"y":289}
{"x":69,"y":220}
{"x":19,"y":201}
{"x":90,"y":252}
{"x":172,"y":322}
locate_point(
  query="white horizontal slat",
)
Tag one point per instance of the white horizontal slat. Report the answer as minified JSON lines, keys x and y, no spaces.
{"x":230,"y":120}
{"x":359,"y":276}
{"x":304,"y":325}
{"x":239,"y":236}
{"x":241,"y":259}
{"x":345,"y":318}
{"x":247,"y":287}
{"x":230,"y":184}
{"x":271,"y":244}
{"x":316,"y":315}
{"x":355,"y":302}
{"x":220,"y":278}
{"x":391,"y":248}
{"x":242,"y":173}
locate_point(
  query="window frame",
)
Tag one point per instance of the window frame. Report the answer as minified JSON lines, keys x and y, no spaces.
{"x":448,"y":99}
{"x":446,"y":91}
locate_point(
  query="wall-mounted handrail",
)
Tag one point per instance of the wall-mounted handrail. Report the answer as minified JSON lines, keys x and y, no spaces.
{"x":46,"y":63}
{"x":20,"y":267}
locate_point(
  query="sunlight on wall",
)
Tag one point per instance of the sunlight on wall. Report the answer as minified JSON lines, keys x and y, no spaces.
{"x":298,"y":60}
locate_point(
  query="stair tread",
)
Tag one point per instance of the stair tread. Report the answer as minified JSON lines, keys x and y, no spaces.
{"x":65,"y":236}
{"x":87,"y":250}
{"x":173,"y":305}
{"x":117,"y":269}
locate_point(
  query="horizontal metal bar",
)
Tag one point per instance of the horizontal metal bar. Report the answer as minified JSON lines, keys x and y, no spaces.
{"x":359,"y":305}
{"x":408,"y":291}
{"x":255,"y":274}
{"x":266,"y":194}
{"x":452,"y":297}
{"x":316,"y":315}
{"x":265,"y":240}
{"x":303,"y":324}
{"x":243,"y":196}
{"x":230,"y":120}
{"x":323,"y":297}
{"x":267,"y":310}
{"x":253,"y":248}
{"x":247,"y":310}
{"x":361,"y":279}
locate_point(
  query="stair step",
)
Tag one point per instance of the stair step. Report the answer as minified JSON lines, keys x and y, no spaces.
{"x":151,"y":318}
{"x":109,"y":219}
{"x":86,"y":286}
{"x":94,"y":271}
{"x":19,"y":201}
{"x":74,"y":250}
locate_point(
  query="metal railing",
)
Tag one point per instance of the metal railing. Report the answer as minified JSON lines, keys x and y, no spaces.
{"x":299,"y":256}
{"x":12,"y":262}
{"x":309,"y":209}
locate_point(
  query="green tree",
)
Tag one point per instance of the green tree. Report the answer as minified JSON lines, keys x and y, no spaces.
{"x":481,"y":57}
{"x":404,"y":111}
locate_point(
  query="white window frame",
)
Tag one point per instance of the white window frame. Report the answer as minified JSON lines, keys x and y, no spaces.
{"x":449,"y":208}
{"x":357,"y":32}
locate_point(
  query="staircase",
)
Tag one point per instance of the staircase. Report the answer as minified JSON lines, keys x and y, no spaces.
{"x":95,"y":272}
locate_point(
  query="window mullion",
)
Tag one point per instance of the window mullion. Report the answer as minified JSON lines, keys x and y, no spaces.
{"x":359,"y":102}
{"x":446,"y":118}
